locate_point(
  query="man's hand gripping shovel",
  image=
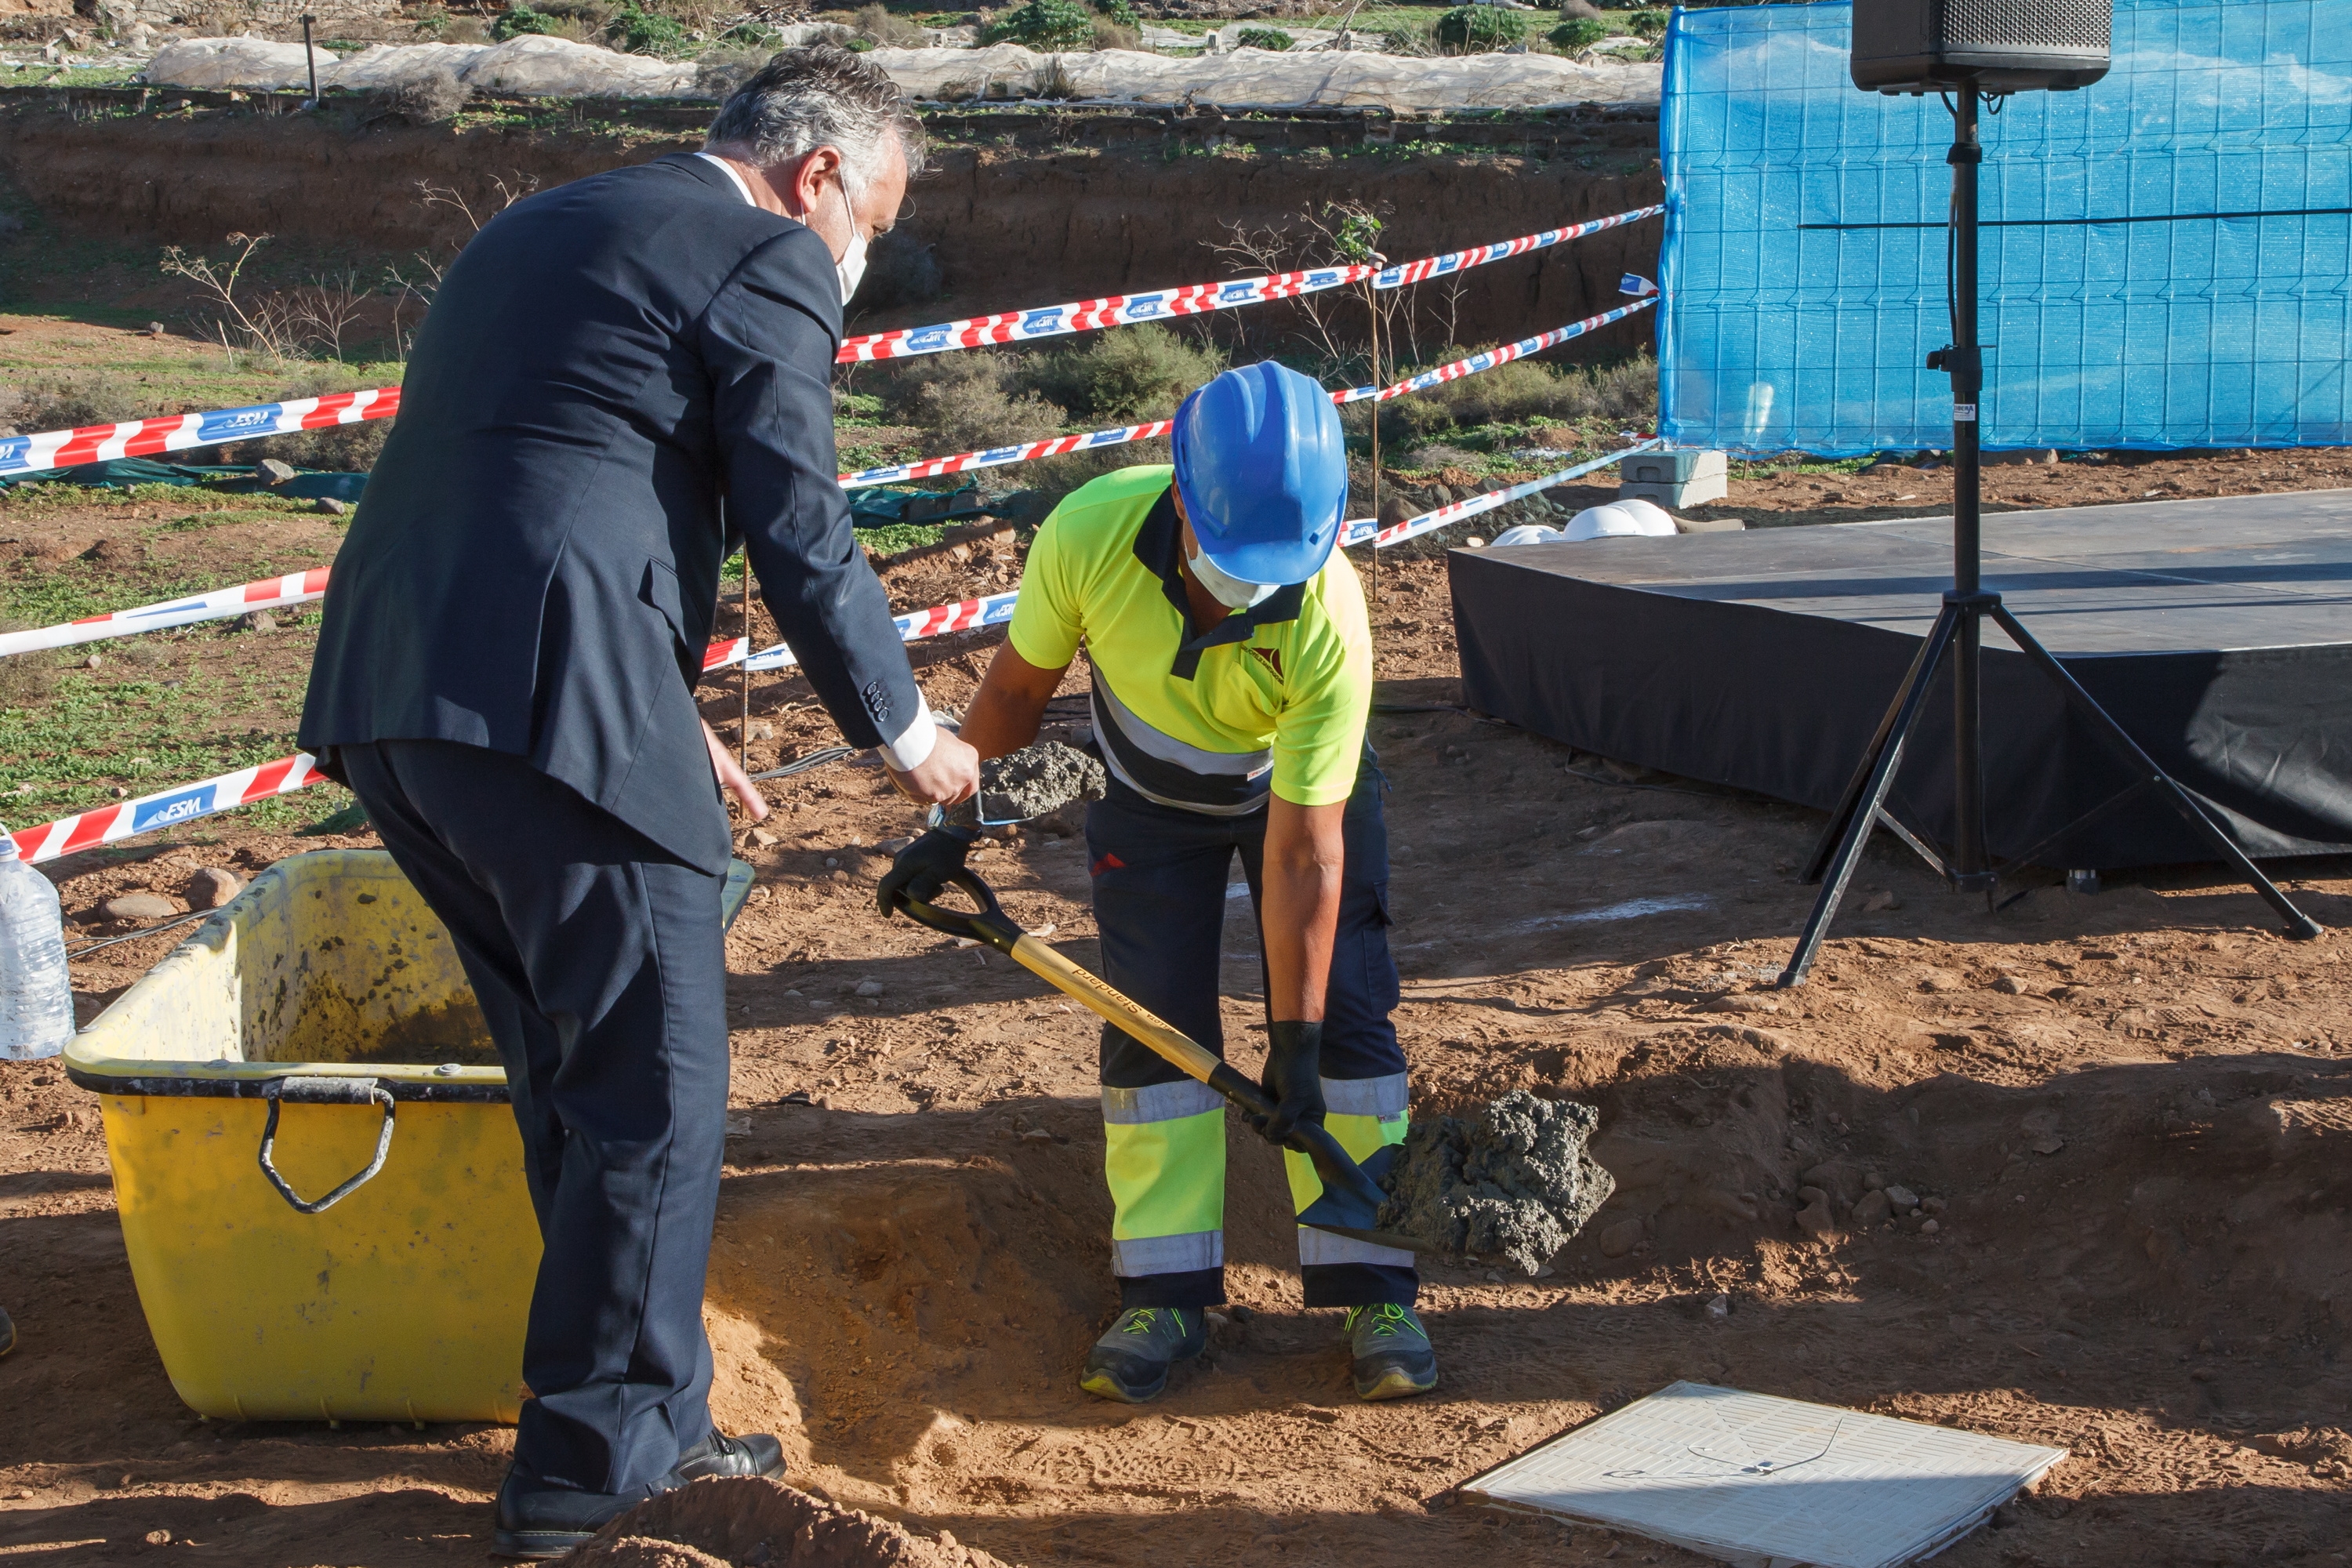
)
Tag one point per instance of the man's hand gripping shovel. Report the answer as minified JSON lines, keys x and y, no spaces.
{"x":1351,"y":1204}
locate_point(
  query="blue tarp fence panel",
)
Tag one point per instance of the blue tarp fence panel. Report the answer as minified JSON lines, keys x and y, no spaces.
{"x":1805,"y":257}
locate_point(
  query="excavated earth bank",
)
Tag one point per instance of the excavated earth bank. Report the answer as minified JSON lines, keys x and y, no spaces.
{"x":997,"y":219}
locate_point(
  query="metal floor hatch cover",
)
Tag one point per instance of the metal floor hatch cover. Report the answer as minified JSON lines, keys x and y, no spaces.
{"x":1767,"y":1482}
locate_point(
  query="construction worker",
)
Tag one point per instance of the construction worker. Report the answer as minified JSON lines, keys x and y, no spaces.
{"x":1233,"y":675}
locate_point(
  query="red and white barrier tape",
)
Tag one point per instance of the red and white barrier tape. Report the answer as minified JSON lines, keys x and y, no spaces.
{"x":301,"y":587}
{"x":1365,"y":530}
{"x":167,"y":809}
{"x":172,"y":807}
{"x":268,"y":594}
{"x":179,"y":432}
{"x":1192,"y":298}
{"x":1057,"y":446}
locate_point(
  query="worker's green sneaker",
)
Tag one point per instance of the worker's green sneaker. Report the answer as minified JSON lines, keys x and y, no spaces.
{"x":1393,"y":1356}
{"x":1131,"y":1362}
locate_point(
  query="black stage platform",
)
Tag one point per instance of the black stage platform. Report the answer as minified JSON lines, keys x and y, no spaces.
{"x":2218,"y":633}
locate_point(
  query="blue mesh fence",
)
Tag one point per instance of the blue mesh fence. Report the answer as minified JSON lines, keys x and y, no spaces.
{"x":2165,"y":255}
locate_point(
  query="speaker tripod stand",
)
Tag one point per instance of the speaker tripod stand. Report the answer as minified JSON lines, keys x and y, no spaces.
{"x":1958,"y":636}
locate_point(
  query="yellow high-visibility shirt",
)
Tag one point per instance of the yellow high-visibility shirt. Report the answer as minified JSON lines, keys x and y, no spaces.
{"x":1277,"y":695}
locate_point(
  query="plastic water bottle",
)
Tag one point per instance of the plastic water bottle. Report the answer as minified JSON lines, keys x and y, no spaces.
{"x":36,"y":1014}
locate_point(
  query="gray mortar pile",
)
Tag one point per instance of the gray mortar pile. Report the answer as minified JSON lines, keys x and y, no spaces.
{"x":1516,"y":1180}
{"x":1037,"y":780}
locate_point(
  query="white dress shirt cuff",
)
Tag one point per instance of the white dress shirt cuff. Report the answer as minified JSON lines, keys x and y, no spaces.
{"x":912,"y":748}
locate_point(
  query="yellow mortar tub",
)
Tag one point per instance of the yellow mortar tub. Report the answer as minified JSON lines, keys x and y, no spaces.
{"x":328,"y":997}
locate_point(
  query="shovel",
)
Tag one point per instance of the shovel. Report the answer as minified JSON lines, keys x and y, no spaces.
{"x":1351,"y":1204}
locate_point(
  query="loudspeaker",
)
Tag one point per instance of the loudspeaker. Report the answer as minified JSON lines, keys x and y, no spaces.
{"x":2002,"y":45}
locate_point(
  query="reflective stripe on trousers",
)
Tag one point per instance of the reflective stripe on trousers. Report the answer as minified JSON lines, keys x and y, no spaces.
{"x":1362,"y":1114}
{"x":1165,"y":1160}
{"x":1164,"y":1157}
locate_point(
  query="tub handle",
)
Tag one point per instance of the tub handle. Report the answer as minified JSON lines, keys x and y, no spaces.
{"x":317,"y":1090}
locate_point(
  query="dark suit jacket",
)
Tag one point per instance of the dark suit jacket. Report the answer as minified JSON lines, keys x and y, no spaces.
{"x":535,"y":564}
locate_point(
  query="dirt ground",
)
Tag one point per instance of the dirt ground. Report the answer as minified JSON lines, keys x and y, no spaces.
{"x":2129,"y":1114}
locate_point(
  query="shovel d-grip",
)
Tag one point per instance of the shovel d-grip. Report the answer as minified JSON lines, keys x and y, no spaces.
{"x":1350,"y":1203}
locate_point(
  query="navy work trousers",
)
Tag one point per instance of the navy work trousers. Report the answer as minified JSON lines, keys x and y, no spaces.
{"x":600,"y":962}
{"x":1160,"y":878}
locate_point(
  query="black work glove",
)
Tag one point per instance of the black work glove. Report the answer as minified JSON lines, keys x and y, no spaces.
{"x":1294,"y":1079}
{"x":923,"y":867}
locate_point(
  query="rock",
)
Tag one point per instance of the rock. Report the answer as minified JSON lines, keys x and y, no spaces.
{"x":764,"y":838}
{"x":92,"y":662}
{"x":211,"y":887}
{"x":1930,"y":1227}
{"x":1872,"y":1182}
{"x":1720,"y":1308}
{"x":1839,"y":1180}
{"x":1473,"y":542}
{"x":1881,"y":901}
{"x":334,"y":508}
{"x":257,"y":621}
{"x":1904,"y":1199}
{"x":138,"y":907}
{"x":1810,"y":1195}
{"x":273,"y":470}
{"x":761,"y":730}
{"x":2010,"y":985}
{"x":1939,"y":980}
{"x":2048,"y":1143}
{"x":1036,"y":1136}
{"x":1875,"y":1209}
{"x":869,"y":988}
{"x":1817,"y":1220}
{"x":1933,"y":1206}
{"x":1620,"y":1239}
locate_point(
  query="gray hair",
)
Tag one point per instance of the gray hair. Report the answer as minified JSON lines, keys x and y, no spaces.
{"x":820,"y":96}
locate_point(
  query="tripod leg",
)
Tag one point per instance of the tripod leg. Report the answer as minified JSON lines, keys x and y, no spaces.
{"x":1875,"y":785}
{"x":1834,"y":832}
{"x":2298,"y":924}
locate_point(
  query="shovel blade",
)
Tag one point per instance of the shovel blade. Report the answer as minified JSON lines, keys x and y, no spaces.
{"x":1353,"y":1208}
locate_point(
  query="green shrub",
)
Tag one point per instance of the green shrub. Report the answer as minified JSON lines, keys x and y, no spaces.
{"x":70,"y":399}
{"x":1577,"y":33}
{"x":877,"y":24}
{"x":1478,"y":29}
{"x":1110,"y":35}
{"x":1524,"y":392}
{"x":963,"y":402}
{"x":1127,"y":376}
{"x":637,"y":32}
{"x":515,"y":21}
{"x":1263,"y":38}
{"x":1049,"y":25}
{"x":1648,"y":24}
{"x":1120,"y":12}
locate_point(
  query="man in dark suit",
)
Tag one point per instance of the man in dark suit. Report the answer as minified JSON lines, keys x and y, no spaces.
{"x":504,"y":677}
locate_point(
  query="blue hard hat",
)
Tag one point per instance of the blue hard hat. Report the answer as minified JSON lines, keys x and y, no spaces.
{"x":1261,"y":469}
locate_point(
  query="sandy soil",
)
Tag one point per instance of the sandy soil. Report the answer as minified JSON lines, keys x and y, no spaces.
{"x":2130,"y":1112}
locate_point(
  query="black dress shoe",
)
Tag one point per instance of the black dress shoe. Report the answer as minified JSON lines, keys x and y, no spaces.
{"x":547,"y":1522}
{"x":752,"y":1454}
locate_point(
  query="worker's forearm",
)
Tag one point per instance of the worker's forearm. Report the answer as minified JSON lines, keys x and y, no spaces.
{"x":1010,"y":705}
{"x":1301,"y":920}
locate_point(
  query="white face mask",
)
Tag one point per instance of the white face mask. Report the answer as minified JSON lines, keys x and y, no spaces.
{"x":1228,"y":589}
{"x":852,"y":265}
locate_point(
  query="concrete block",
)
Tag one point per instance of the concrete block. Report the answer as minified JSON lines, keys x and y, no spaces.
{"x":1709,"y":525}
{"x":1697,"y":492}
{"x":1674,"y":465}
